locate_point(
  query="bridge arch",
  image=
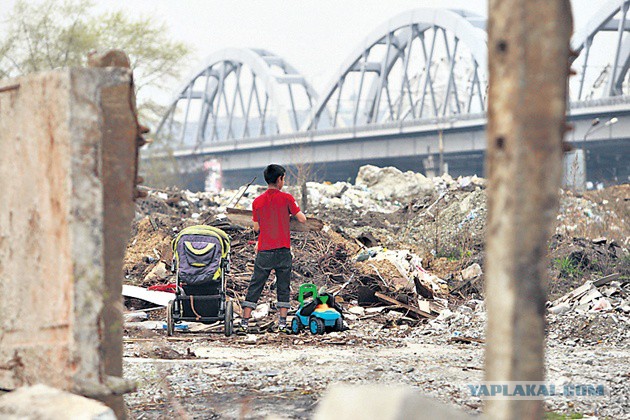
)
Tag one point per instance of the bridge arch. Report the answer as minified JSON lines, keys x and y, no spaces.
{"x":601,"y":74}
{"x":237,"y":93}
{"x":409,"y":68}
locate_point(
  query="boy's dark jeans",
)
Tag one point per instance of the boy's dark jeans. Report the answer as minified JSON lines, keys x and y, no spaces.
{"x":279,"y":260}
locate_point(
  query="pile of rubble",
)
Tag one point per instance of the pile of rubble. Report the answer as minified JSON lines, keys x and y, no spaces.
{"x":594,"y":313}
{"x":398,"y":249}
{"x":602,"y":295}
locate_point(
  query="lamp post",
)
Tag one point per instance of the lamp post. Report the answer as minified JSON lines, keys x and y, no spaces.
{"x":595,"y":122}
{"x":581,"y":153}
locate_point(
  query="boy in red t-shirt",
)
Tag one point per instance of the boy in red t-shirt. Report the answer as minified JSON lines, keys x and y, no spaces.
{"x":271,"y":213}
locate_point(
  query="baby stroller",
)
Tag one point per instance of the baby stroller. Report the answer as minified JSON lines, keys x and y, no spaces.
{"x":201,"y":258}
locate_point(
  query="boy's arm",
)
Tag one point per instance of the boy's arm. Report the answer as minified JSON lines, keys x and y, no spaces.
{"x":300,"y":217}
{"x":294,"y":210}
{"x":257,"y":230}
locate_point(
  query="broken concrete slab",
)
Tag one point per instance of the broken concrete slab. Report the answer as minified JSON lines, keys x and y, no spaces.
{"x":152,"y":296}
{"x":392,"y":184}
{"x":158,"y":273}
{"x":41,"y":402}
{"x":135,"y":316}
{"x":471,"y":271}
{"x":357,"y":310}
{"x":590,"y":296}
{"x":261,"y":311}
{"x":383,"y":403}
{"x":573,"y":295}
{"x":601,"y":304}
{"x":560,"y":308}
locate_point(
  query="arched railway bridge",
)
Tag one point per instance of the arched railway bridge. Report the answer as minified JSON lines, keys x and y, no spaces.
{"x":415,"y":86}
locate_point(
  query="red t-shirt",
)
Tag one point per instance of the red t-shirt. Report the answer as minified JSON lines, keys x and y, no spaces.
{"x":272,"y":210}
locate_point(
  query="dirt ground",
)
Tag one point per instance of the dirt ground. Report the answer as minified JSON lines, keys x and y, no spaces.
{"x":210,"y":376}
{"x":206,"y":375}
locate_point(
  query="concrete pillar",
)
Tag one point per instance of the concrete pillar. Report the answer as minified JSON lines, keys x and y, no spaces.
{"x":67,"y":159}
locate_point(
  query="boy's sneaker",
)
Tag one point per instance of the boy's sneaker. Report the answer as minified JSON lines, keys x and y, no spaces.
{"x":241,"y":329}
{"x":284,"y":329}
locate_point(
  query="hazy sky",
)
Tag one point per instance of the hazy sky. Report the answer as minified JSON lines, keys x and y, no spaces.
{"x":315,"y":36}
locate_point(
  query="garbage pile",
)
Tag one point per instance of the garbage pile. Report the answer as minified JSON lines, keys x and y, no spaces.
{"x":381,"y":190}
{"x":398,"y":248}
{"x":594,"y":313}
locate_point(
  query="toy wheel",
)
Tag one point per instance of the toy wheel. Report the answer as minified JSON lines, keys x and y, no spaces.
{"x":229,"y":317}
{"x":339,"y":324}
{"x":170,"y":323}
{"x":296,"y":325}
{"x":317,"y":326}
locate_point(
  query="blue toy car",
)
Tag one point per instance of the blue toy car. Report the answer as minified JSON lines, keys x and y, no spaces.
{"x":319,"y":315}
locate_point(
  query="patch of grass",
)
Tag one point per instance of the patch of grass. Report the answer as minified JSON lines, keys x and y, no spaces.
{"x":557,"y":416}
{"x":454,"y":253}
{"x":567,"y":267}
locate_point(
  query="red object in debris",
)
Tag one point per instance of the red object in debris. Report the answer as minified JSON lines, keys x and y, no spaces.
{"x":171,"y":287}
{"x":251,"y":242}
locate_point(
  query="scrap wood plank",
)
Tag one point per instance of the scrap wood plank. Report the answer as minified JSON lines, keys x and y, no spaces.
{"x":467,"y":283}
{"x":244,"y":218}
{"x":607,"y":279}
{"x":416,"y":311}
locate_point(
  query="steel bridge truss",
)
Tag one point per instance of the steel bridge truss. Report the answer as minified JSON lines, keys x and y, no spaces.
{"x":602,"y":71}
{"x":238,"y":93}
{"x":422,"y":63}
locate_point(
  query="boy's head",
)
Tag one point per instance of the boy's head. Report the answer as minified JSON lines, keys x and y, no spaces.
{"x":274,"y":175}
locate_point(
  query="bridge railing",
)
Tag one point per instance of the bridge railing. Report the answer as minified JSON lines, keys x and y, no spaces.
{"x":432,"y":124}
{"x":593,"y":103}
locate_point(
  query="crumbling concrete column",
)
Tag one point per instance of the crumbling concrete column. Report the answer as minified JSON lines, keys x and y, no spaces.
{"x":528,"y":46}
{"x":67,"y":149}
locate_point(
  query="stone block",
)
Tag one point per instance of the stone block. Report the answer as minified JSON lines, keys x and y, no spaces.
{"x":67,"y":159}
{"x":41,"y":402}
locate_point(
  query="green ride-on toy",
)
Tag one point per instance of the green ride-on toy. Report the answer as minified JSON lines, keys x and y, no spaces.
{"x":319,"y":315}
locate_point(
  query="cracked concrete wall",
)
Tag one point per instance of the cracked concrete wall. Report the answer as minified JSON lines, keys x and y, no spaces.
{"x":62,"y":134}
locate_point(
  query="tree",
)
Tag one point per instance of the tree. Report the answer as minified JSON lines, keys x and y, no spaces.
{"x":56,"y":34}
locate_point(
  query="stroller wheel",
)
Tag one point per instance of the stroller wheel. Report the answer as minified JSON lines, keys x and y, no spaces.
{"x":170,"y":323}
{"x":229,"y":317}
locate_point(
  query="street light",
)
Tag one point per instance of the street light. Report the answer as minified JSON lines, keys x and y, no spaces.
{"x":581,"y":154}
{"x":595,"y":122}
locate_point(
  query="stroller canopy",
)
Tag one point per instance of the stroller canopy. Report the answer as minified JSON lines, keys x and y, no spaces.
{"x":198,"y":253}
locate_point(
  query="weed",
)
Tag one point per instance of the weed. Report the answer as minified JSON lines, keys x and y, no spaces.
{"x":567,"y":267}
